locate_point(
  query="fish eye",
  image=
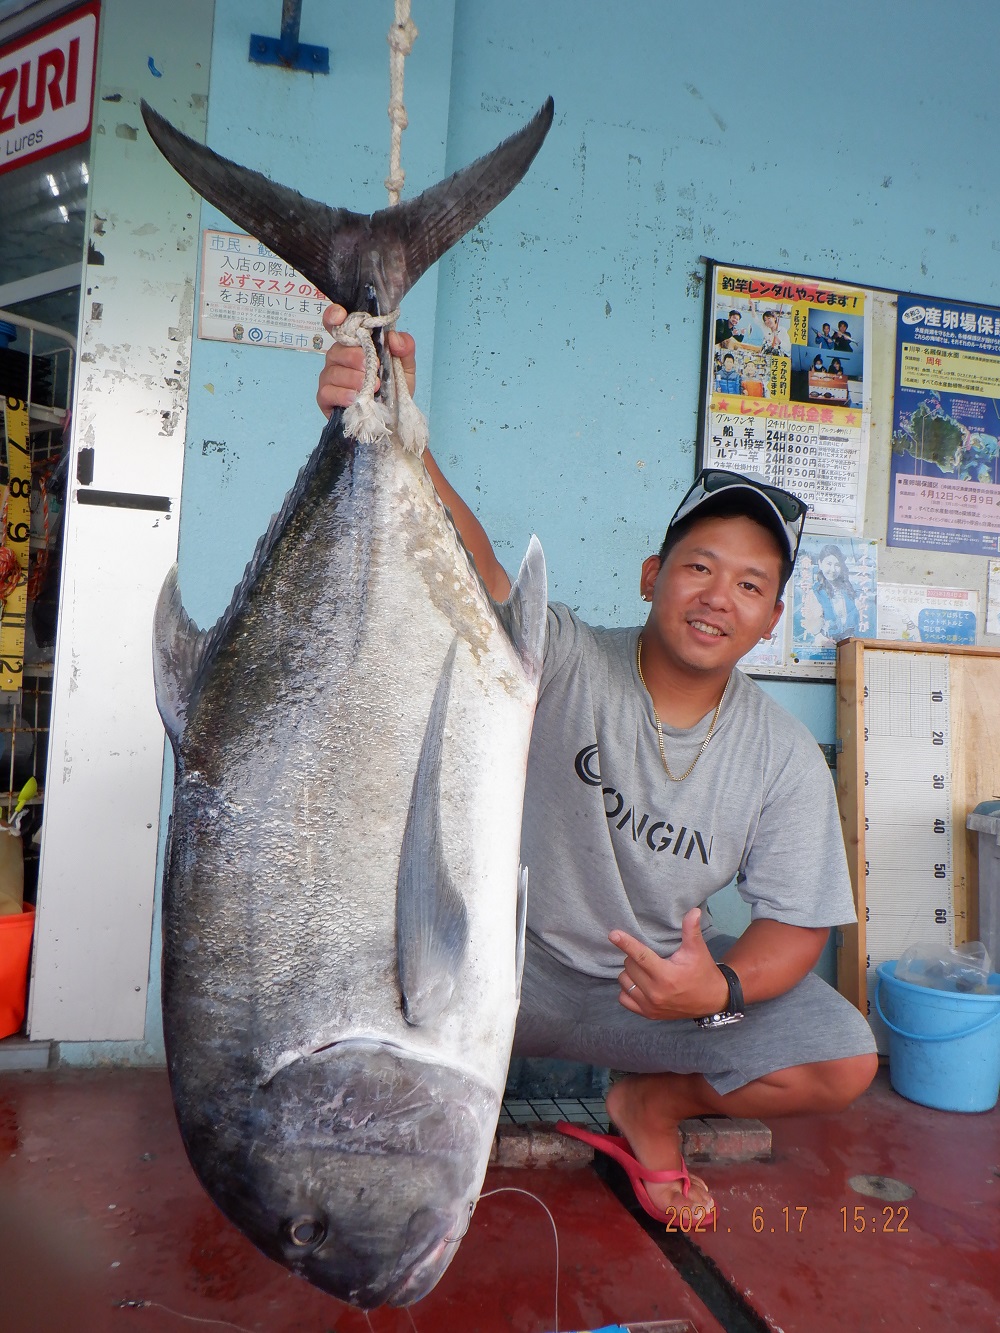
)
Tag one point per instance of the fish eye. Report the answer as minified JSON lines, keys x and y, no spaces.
{"x":305,"y":1232}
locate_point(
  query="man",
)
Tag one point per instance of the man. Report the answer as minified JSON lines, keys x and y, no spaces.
{"x":728,"y":378}
{"x":657,"y":773}
{"x":725,"y":330}
{"x":842,"y":341}
{"x":824,"y":338}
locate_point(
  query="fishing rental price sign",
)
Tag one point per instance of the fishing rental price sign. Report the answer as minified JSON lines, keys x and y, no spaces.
{"x":787,"y":395}
{"x":788,"y":387}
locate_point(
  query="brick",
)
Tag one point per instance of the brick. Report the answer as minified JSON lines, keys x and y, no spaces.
{"x":538,"y":1145}
{"x":720,"y":1139}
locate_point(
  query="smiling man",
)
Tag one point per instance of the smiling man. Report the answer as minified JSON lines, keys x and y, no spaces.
{"x":657,"y":774}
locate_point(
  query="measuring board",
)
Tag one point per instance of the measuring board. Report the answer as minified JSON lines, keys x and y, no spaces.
{"x":919,"y":748}
{"x":16,"y":535}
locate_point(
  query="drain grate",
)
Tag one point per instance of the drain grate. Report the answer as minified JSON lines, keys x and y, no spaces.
{"x":586,"y":1111}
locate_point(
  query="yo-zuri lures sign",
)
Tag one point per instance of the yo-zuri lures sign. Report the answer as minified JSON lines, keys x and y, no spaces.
{"x":47,"y":87}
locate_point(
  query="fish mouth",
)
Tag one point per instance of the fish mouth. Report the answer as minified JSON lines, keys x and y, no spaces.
{"x":340,"y":1045}
{"x":356,"y":1165}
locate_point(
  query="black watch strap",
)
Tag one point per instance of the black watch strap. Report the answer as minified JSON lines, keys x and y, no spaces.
{"x":736,"y":1005}
{"x":734,"y":1010}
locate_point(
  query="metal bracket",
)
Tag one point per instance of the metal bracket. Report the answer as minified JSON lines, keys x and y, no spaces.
{"x":287,"y":50}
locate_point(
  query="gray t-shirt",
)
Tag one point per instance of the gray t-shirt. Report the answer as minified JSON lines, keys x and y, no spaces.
{"x":610,"y":842}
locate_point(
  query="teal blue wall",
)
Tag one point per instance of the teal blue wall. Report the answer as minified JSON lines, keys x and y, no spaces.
{"x":560,"y":345}
{"x":562,"y":340}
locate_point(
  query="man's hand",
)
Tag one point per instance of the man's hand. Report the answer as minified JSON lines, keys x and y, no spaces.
{"x":688,"y":984}
{"x":343,"y":370}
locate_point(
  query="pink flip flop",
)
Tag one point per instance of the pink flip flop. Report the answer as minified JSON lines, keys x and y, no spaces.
{"x":618,"y":1150}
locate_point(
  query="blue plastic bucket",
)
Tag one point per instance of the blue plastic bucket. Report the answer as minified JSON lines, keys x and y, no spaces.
{"x":944,"y":1047}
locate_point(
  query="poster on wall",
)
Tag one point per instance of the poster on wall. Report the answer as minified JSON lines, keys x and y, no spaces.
{"x":249,"y":295}
{"x":832,"y":595}
{"x":944,"y":486}
{"x":788,"y":377}
{"x":918,"y":614}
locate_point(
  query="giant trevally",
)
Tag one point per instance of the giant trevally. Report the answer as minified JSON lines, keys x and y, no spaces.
{"x":343,"y":906}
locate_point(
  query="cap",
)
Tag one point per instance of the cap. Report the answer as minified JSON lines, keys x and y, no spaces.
{"x":784,"y":513}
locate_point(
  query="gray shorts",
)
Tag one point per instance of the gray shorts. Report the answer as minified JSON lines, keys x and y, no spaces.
{"x":566,"y":1015}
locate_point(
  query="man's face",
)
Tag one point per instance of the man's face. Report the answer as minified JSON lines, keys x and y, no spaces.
{"x":734,"y":319}
{"x":714,"y":596}
{"x":728,"y":361}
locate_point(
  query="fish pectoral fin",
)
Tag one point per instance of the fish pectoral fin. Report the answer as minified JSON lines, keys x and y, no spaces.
{"x":522,"y":927}
{"x":432,"y":926}
{"x":524,"y":613}
{"x":179,"y":649}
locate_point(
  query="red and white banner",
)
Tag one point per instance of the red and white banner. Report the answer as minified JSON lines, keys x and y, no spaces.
{"x":47,"y":87}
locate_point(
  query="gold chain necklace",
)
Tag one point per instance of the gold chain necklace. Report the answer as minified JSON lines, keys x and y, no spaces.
{"x":659,"y":728}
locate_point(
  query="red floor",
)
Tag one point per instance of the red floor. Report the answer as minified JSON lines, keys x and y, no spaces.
{"x":103,"y":1227}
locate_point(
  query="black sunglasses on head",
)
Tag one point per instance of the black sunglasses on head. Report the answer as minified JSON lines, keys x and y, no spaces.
{"x":789,"y":509}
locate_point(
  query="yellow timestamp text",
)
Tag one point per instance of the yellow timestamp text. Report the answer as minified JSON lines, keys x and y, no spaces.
{"x":789,"y":1220}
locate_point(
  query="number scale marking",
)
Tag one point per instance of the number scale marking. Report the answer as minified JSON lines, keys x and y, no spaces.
{"x":908,"y":839}
{"x":16,"y":536}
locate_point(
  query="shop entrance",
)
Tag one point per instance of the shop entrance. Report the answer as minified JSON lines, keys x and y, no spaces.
{"x":43,"y":205}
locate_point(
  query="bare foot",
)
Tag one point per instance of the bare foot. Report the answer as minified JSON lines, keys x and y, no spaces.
{"x":642,"y":1109}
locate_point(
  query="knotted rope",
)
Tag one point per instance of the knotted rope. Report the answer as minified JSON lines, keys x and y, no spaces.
{"x":402,"y":35}
{"x":367,"y":420}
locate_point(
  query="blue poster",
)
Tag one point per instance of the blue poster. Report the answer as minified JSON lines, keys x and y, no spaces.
{"x":944,"y":489}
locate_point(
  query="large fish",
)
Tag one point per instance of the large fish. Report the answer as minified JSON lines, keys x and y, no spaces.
{"x":343,"y":906}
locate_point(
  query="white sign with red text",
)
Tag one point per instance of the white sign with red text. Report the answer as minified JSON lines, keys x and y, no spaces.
{"x":250,"y":295}
{"x":47,"y":88}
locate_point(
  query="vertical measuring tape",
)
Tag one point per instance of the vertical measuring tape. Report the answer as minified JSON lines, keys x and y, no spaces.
{"x":16,"y":536}
{"x":907,"y":802}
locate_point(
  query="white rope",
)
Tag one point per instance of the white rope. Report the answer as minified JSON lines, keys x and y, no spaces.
{"x":402,"y":35}
{"x":367,"y":420}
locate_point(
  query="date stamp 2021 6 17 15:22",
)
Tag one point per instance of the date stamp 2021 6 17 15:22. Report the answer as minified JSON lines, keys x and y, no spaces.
{"x":789,"y":1220}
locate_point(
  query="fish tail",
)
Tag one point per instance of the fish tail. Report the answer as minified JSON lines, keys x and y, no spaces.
{"x":348,"y":255}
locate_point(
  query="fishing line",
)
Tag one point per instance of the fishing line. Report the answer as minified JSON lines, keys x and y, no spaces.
{"x":512,"y":1189}
{"x":192,"y":1318}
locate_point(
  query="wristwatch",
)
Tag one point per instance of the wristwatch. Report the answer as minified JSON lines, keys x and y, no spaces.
{"x":733,"y":1011}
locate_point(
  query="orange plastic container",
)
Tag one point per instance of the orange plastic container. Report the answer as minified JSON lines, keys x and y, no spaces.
{"x":15,"y":950}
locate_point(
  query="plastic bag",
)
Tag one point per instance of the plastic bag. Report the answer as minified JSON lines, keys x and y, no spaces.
{"x":964,"y":968}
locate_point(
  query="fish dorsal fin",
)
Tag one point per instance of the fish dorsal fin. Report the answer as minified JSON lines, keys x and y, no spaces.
{"x":345,"y":253}
{"x":179,"y":652}
{"x":521,"y":928}
{"x":432,"y":927}
{"x":524,"y":612}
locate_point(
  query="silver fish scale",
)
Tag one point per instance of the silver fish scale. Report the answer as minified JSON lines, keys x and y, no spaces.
{"x":284,"y":896}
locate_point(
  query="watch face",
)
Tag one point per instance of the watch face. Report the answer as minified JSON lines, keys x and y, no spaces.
{"x":719,"y":1020}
